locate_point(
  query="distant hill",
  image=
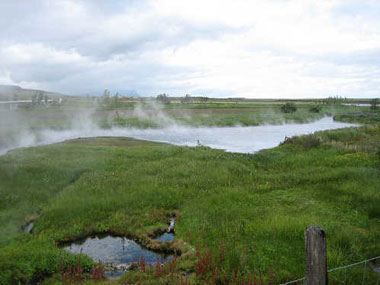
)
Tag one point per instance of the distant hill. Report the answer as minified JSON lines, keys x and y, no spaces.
{"x":12,"y":92}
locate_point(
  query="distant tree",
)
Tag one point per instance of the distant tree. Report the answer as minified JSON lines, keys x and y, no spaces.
{"x":106,"y":97}
{"x":288,"y":108}
{"x":374,"y":103}
{"x":115,"y":98}
{"x":187,"y":99}
{"x":34,"y":99}
{"x":163,"y":98}
{"x":106,"y":93}
{"x":40,"y":97}
{"x":336,"y":100}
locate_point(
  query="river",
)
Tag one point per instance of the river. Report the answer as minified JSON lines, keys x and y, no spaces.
{"x":231,"y":139}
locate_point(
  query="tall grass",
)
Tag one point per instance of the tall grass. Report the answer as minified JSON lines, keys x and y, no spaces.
{"x":250,"y":209}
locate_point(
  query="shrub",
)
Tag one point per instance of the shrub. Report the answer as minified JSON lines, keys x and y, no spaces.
{"x":310,"y":141}
{"x":163,"y":98}
{"x":306,"y":142}
{"x":288,"y":108}
{"x":315,"y":109}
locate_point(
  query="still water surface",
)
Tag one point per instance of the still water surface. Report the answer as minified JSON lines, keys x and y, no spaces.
{"x":119,"y":252}
{"x":236,"y":139}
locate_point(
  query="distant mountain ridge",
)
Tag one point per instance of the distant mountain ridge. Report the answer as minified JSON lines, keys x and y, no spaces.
{"x":14,"y":92}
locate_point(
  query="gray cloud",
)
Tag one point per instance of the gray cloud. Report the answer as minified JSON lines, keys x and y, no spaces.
{"x":108,"y":54}
{"x":85,"y":46}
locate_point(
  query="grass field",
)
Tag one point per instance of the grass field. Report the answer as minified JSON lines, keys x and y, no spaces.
{"x":246,"y":211}
{"x":239,"y":217}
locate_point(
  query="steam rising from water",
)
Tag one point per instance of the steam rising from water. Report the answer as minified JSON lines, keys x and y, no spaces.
{"x":233,"y":139}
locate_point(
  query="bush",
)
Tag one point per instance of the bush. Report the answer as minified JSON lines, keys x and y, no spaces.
{"x":306,"y":141}
{"x":163,"y":98}
{"x":315,"y":109}
{"x":288,"y":108}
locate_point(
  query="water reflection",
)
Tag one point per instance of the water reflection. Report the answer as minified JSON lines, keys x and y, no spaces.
{"x":116,"y":251}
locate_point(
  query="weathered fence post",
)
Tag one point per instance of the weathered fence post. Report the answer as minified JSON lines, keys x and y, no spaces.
{"x":316,"y":256}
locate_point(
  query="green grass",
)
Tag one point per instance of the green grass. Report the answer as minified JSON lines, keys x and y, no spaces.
{"x":220,"y":115}
{"x":253,"y":208}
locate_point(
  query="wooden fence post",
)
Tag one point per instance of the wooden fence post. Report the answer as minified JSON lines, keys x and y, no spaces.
{"x":316,"y":256}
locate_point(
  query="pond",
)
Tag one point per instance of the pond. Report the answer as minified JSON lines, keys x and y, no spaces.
{"x":117,"y":253}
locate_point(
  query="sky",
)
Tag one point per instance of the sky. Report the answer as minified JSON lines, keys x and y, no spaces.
{"x":215,"y":48}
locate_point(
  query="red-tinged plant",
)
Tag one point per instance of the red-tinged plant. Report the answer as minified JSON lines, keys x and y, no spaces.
{"x":142,"y":264}
{"x":204,"y":265}
{"x":221,"y":252}
{"x":72,"y":273}
{"x":271,"y":277}
{"x":159,"y":268}
{"x":98,"y":272}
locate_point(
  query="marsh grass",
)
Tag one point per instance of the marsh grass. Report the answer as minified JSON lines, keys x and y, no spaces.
{"x":227,"y":117}
{"x":250,"y":209}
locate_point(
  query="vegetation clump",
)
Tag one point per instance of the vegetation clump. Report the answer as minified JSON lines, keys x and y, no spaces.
{"x":163,"y":98}
{"x":288,"y":108}
{"x":315,"y":109}
{"x":335,"y":100}
{"x":306,"y":142}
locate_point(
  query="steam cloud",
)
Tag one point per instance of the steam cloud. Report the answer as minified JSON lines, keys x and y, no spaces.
{"x":16,"y":133}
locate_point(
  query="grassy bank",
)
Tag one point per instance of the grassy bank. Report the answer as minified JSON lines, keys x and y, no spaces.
{"x":247,"y":211}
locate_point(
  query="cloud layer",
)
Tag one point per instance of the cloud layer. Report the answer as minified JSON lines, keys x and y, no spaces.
{"x":276,"y":48}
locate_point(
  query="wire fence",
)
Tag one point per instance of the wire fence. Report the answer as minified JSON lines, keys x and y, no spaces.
{"x":363,"y":272}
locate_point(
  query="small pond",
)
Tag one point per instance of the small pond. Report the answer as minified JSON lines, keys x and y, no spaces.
{"x":118,"y":251}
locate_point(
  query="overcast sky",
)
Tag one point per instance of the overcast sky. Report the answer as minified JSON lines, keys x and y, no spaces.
{"x":257,"y":49}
